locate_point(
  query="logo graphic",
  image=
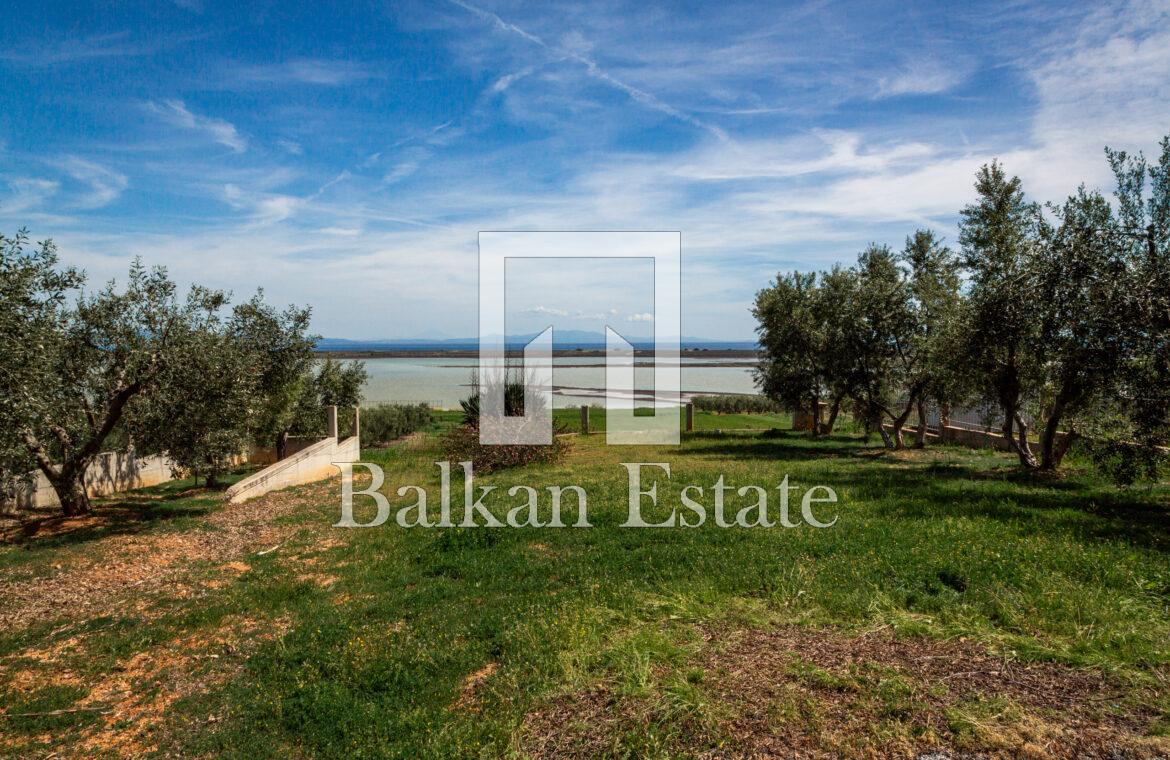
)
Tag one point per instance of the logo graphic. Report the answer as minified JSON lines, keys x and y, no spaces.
{"x":535,"y":371}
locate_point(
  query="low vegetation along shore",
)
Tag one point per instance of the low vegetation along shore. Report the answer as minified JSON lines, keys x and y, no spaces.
{"x":958,"y":604}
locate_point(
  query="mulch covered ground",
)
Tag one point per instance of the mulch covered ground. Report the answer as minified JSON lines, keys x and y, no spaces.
{"x":796,"y":692}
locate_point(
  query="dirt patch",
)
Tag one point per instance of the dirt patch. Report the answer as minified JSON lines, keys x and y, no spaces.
{"x":184,"y":666}
{"x":101,"y":576}
{"x":806,"y":693}
{"x":468,"y":694}
{"x":124,"y":574}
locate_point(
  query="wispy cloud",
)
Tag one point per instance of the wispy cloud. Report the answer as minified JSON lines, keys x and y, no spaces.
{"x":27,"y":194}
{"x":507,"y":80}
{"x":575,"y":50}
{"x":925,"y":77}
{"x":400,"y":171}
{"x":105,"y":185}
{"x":76,"y":49}
{"x":308,"y":71}
{"x":176,"y":113}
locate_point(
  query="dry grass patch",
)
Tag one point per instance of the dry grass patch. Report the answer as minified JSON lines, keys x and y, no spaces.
{"x":812,"y":693}
{"x":468,"y":693}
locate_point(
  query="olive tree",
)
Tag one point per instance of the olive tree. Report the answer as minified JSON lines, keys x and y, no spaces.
{"x":34,"y":293}
{"x":935,"y":308}
{"x":879,"y":344}
{"x":201,"y":414}
{"x":95,"y":356}
{"x":335,"y":383}
{"x":1136,"y":446}
{"x":999,"y":234}
{"x":1083,"y":285}
{"x":280,"y":350}
{"x":795,"y":366}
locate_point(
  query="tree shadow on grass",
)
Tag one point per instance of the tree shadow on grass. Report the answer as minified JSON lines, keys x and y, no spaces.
{"x":916,"y":486}
{"x":1022,"y":502}
{"x":779,"y":446}
{"x":126,"y":513}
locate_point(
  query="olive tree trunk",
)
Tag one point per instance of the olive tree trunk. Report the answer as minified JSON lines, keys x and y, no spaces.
{"x":834,"y":410}
{"x":69,"y":485}
{"x":920,"y":437}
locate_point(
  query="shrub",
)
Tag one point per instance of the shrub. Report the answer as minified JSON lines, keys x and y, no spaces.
{"x":461,"y":444}
{"x":736,"y":404}
{"x":386,"y":422}
{"x":513,"y":401}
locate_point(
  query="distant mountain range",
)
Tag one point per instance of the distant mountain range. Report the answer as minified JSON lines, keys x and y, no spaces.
{"x":562,"y":340}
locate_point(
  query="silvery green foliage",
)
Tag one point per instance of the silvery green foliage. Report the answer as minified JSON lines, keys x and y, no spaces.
{"x":1130,"y":445}
{"x":281,"y":348}
{"x":34,"y":293}
{"x":87,"y":360}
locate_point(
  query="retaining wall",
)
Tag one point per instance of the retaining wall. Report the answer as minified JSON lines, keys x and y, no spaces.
{"x":308,"y":465}
{"x":110,"y":473}
{"x":976,"y":439}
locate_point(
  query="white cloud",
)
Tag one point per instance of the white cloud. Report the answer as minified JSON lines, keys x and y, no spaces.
{"x":549,"y":312}
{"x":311,"y":71}
{"x":1108,"y":87}
{"x":222,"y":132}
{"x":643,"y":317}
{"x":28,"y":193}
{"x":575,"y":47}
{"x":401,"y":171}
{"x":506,"y":81}
{"x":924,"y":77}
{"x":45,"y":52}
{"x":105,"y":185}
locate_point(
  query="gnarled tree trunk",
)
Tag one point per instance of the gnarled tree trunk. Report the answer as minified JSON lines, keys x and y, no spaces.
{"x":69,"y":485}
{"x":920,"y":438}
{"x":899,"y":422}
{"x":1011,"y":421}
{"x":1052,"y":452}
{"x":833,"y":411}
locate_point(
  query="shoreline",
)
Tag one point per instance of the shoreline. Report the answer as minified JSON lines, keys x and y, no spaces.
{"x":746,"y":355}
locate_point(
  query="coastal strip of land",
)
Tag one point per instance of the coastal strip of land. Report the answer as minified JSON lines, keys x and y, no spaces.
{"x":748,"y":356}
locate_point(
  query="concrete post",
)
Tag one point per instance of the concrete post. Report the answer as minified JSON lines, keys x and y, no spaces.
{"x":357,"y":422}
{"x":584,"y":419}
{"x":331,"y":421}
{"x":690,"y":416}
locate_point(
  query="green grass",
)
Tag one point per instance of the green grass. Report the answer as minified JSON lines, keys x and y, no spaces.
{"x":948,"y":544}
{"x":570,"y":420}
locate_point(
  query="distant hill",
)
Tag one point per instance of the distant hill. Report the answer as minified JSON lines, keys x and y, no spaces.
{"x":562,"y":340}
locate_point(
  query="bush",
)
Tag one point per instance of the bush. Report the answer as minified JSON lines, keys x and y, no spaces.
{"x":736,"y":404}
{"x":386,"y":422}
{"x":461,"y":444}
{"x":513,"y":401}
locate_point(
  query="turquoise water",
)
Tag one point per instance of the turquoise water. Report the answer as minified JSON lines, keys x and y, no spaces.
{"x":443,"y":382}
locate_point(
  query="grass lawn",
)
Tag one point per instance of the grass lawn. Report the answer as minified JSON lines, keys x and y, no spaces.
{"x":955,"y":604}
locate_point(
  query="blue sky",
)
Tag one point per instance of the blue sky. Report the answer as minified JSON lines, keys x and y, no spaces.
{"x":347,"y":157}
